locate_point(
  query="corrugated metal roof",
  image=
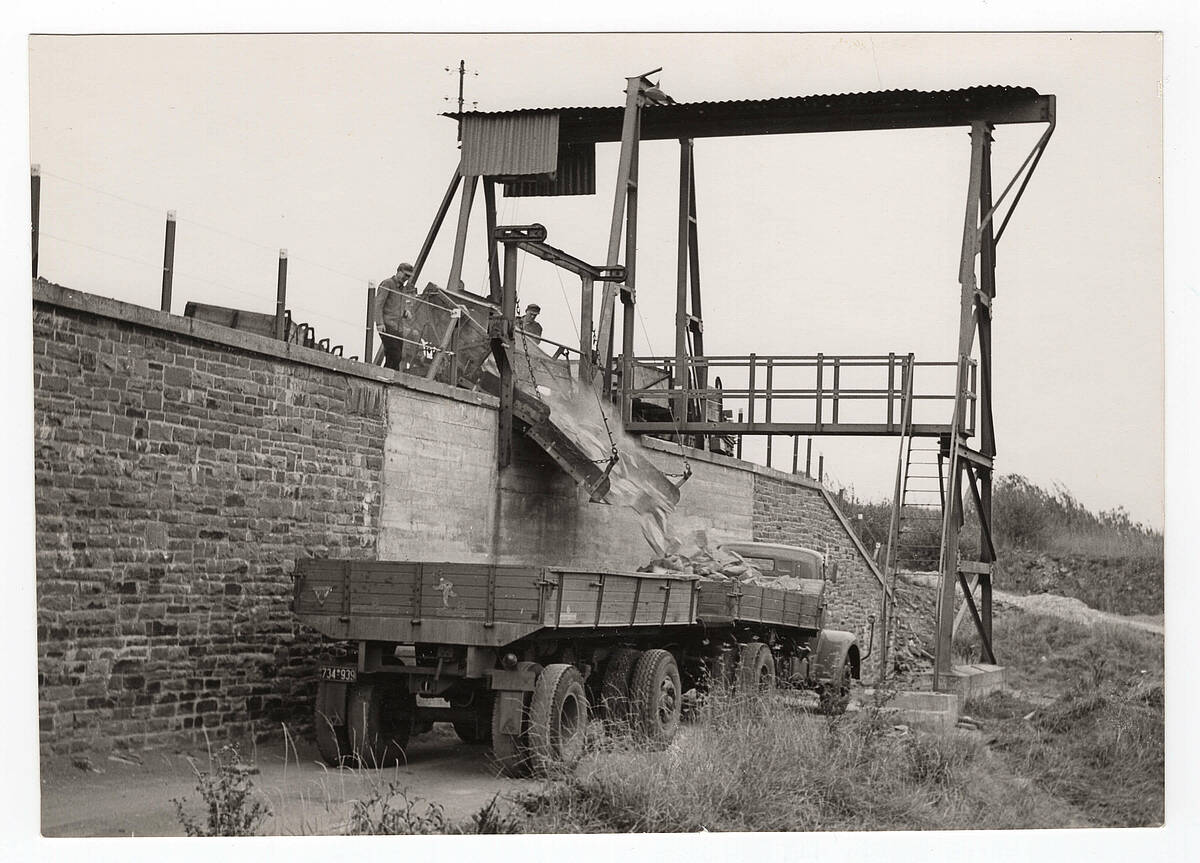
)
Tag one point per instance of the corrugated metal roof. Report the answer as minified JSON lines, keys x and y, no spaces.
{"x":883,"y":109}
{"x":575,"y":175}
{"x":518,"y":142}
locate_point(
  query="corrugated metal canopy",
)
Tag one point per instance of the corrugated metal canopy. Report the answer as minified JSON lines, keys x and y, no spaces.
{"x":517,"y":142}
{"x":888,"y":109}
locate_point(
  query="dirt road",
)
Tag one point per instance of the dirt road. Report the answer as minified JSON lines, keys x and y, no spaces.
{"x":307,"y":797}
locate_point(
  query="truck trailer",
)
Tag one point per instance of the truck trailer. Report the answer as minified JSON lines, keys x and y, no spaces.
{"x":523,"y":656}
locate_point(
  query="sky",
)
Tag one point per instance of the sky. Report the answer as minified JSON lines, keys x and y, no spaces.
{"x":331,"y":146}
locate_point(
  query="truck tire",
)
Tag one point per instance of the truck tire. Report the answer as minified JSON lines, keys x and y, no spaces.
{"x":333,"y":740}
{"x":835,"y":695}
{"x":656,"y":696}
{"x":379,"y":721}
{"x":558,"y":718}
{"x":511,"y":751}
{"x":756,"y":670}
{"x":614,"y":688}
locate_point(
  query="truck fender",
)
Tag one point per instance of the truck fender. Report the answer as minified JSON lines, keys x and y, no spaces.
{"x":833,"y":651}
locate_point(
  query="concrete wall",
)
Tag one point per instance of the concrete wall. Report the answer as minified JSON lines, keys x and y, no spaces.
{"x":442,"y":490}
{"x":181,"y":468}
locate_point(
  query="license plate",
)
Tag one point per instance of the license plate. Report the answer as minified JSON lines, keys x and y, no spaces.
{"x":339,"y":673}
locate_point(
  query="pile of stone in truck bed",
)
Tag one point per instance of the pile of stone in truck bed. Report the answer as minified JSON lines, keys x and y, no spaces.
{"x":718,"y":565}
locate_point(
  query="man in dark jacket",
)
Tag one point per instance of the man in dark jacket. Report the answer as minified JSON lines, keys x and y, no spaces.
{"x":529,"y":322}
{"x":394,"y":308}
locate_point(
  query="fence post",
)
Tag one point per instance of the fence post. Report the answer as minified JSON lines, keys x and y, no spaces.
{"x":821,"y":469}
{"x":369,"y":343}
{"x":808,"y":459}
{"x":35,"y":210}
{"x":739,"y":437}
{"x":795,"y":452}
{"x":168,"y":262}
{"x":281,"y":296}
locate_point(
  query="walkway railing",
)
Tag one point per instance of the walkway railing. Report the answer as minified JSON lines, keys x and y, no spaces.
{"x":811,"y":394}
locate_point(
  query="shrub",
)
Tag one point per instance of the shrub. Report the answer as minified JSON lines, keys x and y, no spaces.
{"x":228,"y":793}
{"x":389,"y":811}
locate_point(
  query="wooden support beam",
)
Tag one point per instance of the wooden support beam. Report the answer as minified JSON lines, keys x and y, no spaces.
{"x":169,"y":267}
{"x":951,"y":523}
{"x":682,"y":377}
{"x":489,"y":204}
{"x":445,"y":344}
{"x":987,"y":271}
{"x":985,"y":518}
{"x":586,"y":292}
{"x":974,"y":567}
{"x":571,"y":263}
{"x":460,"y":236}
{"x":35,"y":211}
{"x":984,"y":636}
{"x":438,"y":218}
{"x":975,"y":458}
{"x":628,"y":290}
{"x":629,"y":130}
{"x":369,"y":330}
{"x":280,"y":295}
{"x":502,"y":339}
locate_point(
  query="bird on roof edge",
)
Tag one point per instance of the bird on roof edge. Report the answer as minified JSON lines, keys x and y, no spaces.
{"x":655,"y":96}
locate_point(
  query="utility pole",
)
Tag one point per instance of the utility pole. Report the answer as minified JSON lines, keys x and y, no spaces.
{"x":462,"y":75}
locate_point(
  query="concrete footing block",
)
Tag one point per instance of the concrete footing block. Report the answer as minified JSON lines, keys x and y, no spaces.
{"x":929,"y":711}
{"x":970,"y":681}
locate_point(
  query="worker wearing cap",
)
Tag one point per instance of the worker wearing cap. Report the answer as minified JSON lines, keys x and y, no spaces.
{"x":394,"y":308}
{"x":529,"y":323}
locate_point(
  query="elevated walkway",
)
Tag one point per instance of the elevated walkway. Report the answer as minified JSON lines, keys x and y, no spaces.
{"x":816,"y":394}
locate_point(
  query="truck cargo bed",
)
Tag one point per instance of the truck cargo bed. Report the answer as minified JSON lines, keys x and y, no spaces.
{"x":482,"y":604}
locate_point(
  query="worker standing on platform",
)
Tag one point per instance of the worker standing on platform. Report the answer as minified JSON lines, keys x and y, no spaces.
{"x":394,"y":307}
{"x":529,"y":323}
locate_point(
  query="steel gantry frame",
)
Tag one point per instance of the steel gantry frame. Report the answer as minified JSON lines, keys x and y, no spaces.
{"x":530,"y":145}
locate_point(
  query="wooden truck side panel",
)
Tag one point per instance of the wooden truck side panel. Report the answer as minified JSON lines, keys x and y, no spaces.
{"x":616,"y":599}
{"x":718,"y":601}
{"x":480,"y":604}
{"x":406,"y":601}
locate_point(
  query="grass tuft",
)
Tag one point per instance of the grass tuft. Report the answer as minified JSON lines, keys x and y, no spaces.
{"x":768,"y":765}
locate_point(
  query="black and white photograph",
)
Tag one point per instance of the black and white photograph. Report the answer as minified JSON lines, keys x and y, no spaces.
{"x":592,"y":432}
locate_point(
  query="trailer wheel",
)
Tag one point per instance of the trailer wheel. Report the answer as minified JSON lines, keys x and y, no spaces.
{"x":329,"y":725}
{"x":379,"y":721}
{"x":614,"y":688}
{"x":756,"y":670}
{"x":558,"y":718}
{"x":511,"y":751}
{"x":657,"y":696}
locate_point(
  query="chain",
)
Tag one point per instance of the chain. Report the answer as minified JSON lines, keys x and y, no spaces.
{"x":525,"y":347}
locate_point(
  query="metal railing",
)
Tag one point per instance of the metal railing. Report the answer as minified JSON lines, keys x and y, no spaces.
{"x":811,"y":389}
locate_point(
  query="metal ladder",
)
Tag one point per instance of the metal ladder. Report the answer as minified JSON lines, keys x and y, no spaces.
{"x":922,"y":505}
{"x":918,"y":503}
